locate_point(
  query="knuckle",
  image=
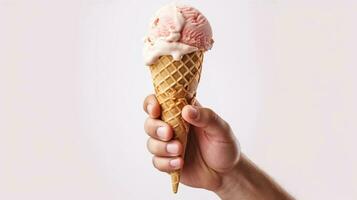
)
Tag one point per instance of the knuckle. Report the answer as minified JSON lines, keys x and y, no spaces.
{"x":225,"y":126}
{"x":145,"y":103}
{"x":146,"y":125}
{"x":152,"y":146}
{"x":155,"y":148}
{"x":154,"y":162}
{"x":151,"y":96}
{"x":157,"y":163}
{"x":150,"y":126}
{"x":147,"y":100}
{"x":212,"y":116}
{"x":148,"y":145}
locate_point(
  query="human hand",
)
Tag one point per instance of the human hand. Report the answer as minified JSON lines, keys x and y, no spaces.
{"x":211,"y":152}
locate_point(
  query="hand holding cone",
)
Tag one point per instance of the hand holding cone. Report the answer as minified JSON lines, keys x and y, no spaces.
{"x":178,"y":37}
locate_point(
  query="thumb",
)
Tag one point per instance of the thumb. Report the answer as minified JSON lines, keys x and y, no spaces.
{"x":212,"y":124}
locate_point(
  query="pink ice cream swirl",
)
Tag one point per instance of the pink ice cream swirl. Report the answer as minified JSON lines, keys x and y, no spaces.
{"x":197,"y":30}
{"x":177,"y":30}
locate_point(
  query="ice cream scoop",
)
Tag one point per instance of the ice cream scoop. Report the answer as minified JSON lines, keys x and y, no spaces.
{"x":176,"y":30}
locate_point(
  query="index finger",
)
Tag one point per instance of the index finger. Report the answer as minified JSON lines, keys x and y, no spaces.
{"x":152,"y":107}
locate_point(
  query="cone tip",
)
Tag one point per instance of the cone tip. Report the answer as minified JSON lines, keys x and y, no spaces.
{"x":175,"y":187}
{"x":175,"y":180}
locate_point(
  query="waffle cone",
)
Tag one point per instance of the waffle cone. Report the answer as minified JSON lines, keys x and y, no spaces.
{"x":175,"y":85}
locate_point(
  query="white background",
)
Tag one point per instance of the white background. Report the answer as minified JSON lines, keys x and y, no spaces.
{"x":72,"y":82}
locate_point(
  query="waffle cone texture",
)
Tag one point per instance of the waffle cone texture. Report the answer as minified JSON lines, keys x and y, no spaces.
{"x":175,"y":85}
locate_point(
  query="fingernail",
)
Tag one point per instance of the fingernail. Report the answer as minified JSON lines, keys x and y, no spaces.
{"x":149,"y":108}
{"x":172,"y":148}
{"x":161,"y":132}
{"x":192,"y":112}
{"x":175,"y":163}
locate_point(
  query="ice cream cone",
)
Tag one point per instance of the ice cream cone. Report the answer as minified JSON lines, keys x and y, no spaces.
{"x":175,"y":83}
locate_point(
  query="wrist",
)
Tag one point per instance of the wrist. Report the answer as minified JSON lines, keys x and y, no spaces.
{"x":234,"y":184}
{"x":247,"y":181}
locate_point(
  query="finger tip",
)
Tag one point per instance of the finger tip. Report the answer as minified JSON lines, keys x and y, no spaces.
{"x":195,"y":102}
{"x":190,"y":113}
{"x":185,"y":112}
{"x":181,"y":162}
{"x":187,"y":107}
{"x":176,"y":163}
{"x":164,"y":133}
{"x":178,"y":148}
{"x":170,"y":133}
{"x":151,"y":105}
{"x":154,"y":110}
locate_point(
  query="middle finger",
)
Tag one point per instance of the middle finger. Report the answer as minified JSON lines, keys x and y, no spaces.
{"x":167,"y":149}
{"x":158,"y":129}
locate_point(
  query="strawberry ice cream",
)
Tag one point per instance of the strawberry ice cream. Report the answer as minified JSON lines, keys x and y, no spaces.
{"x":177,"y":30}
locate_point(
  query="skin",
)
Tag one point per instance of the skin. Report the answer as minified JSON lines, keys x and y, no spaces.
{"x":213,"y":160}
